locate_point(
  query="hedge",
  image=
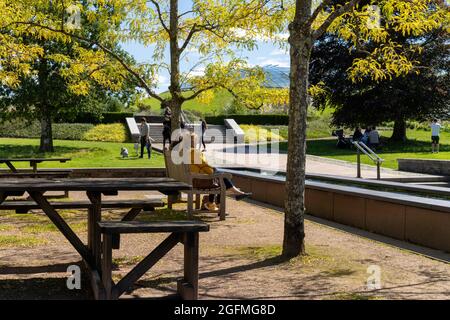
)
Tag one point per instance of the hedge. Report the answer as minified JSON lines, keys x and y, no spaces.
{"x":103,"y":118}
{"x":61,"y":131}
{"x":258,"y":119}
{"x":66,"y":131}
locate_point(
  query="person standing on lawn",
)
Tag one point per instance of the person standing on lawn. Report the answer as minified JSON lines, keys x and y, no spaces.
{"x":435,"y":135}
{"x":145,"y":140}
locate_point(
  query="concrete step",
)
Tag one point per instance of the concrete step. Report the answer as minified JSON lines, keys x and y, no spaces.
{"x":215,"y":133}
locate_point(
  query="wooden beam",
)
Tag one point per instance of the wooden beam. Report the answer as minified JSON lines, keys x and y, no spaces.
{"x":108,"y":283}
{"x":11,"y":166}
{"x":142,"y":267}
{"x":95,"y":216}
{"x":63,"y":227}
{"x":188,"y":287}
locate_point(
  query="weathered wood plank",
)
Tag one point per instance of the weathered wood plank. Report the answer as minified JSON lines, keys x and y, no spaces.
{"x":145,"y":204}
{"x":142,"y":267}
{"x":94,"y":184}
{"x":153,"y":227}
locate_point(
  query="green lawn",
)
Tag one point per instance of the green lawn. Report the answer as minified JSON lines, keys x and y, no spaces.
{"x":221,"y":99}
{"x":418,"y":146}
{"x":84,"y":154}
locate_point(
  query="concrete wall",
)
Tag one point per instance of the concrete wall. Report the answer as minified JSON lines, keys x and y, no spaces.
{"x":425,"y":223}
{"x":438,"y":167}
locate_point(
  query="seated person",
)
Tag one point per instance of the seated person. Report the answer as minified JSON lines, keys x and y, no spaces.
{"x":365,"y":137}
{"x":374,"y":138}
{"x":199,"y":165}
{"x":357,"y":136}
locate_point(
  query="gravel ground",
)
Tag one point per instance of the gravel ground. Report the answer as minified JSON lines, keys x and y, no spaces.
{"x":239,"y":259}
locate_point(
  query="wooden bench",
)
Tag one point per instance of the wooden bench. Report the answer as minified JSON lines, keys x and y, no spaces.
{"x":185,"y":232}
{"x":181,"y":172}
{"x":135,"y":206}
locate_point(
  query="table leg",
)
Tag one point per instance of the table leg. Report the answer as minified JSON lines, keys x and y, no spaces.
{"x":94,"y":235}
{"x":188,"y":287}
{"x":65,"y":229}
{"x":11,"y":167}
{"x":34,"y":166}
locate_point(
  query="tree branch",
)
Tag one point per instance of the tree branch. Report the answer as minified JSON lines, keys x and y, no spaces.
{"x":197,"y":93}
{"x":160,"y":16}
{"x":333,"y":16}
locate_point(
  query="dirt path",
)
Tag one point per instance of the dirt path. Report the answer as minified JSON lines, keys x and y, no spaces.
{"x":239,"y":260}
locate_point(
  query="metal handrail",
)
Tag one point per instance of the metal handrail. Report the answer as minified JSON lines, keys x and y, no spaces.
{"x":362,"y":147}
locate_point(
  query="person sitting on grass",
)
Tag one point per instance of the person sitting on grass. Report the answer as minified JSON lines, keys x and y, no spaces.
{"x":199,"y":165}
{"x":357,"y":136}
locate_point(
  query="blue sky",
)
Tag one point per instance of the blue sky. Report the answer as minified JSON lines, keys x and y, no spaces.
{"x":265,"y":54}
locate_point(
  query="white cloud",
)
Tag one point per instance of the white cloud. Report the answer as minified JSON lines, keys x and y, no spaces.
{"x":264,"y":61}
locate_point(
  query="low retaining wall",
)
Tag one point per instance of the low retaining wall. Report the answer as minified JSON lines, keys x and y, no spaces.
{"x":438,"y":167}
{"x":418,"y":220}
{"x":112,"y":172}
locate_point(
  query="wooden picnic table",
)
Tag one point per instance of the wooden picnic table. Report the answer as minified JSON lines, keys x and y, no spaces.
{"x":33,"y":162}
{"x":94,"y":188}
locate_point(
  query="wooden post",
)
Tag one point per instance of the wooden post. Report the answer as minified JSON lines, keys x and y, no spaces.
{"x":107,"y":266}
{"x":198,"y":201}
{"x":190,"y":205}
{"x":130,"y":216}
{"x":188,"y":287}
{"x":95,"y":216}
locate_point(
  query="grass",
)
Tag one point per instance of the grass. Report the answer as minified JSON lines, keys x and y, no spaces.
{"x":84,"y":154}
{"x":417,"y":147}
{"x":20,"y":241}
{"x":220,"y":100}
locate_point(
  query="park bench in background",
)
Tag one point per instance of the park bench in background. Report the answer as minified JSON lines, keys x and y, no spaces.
{"x":181,"y":172}
{"x":185,"y":232}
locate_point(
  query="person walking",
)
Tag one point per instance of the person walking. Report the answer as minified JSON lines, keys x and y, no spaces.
{"x":204,"y":128}
{"x":145,"y":140}
{"x":435,"y":135}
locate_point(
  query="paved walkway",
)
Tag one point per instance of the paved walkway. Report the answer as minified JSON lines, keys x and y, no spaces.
{"x":230,"y":155}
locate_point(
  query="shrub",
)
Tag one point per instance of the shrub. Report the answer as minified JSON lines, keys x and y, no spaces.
{"x":107,"y":133}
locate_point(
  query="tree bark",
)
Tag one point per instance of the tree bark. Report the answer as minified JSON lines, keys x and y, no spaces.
{"x":399,"y":134}
{"x":46,"y":144}
{"x":301,"y":45}
{"x":175,"y":101}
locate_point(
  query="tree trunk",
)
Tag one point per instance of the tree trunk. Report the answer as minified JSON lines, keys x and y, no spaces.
{"x":46,"y":144}
{"x":46,"y":132}
{"x":175,"y":86}
{"x":399,"y":134}
{"x":300,"y":52}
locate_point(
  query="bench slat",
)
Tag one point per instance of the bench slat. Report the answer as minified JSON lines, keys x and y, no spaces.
{"x":152,"y":227}
{"x":109,"y":204}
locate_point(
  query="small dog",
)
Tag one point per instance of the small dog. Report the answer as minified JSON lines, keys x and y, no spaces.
{"x":124,"y":153}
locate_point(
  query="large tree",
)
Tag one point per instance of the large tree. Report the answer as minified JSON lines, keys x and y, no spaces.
{"x":420,"y":95}
{"x":349,"y":20}
{"x":48,"y":78}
